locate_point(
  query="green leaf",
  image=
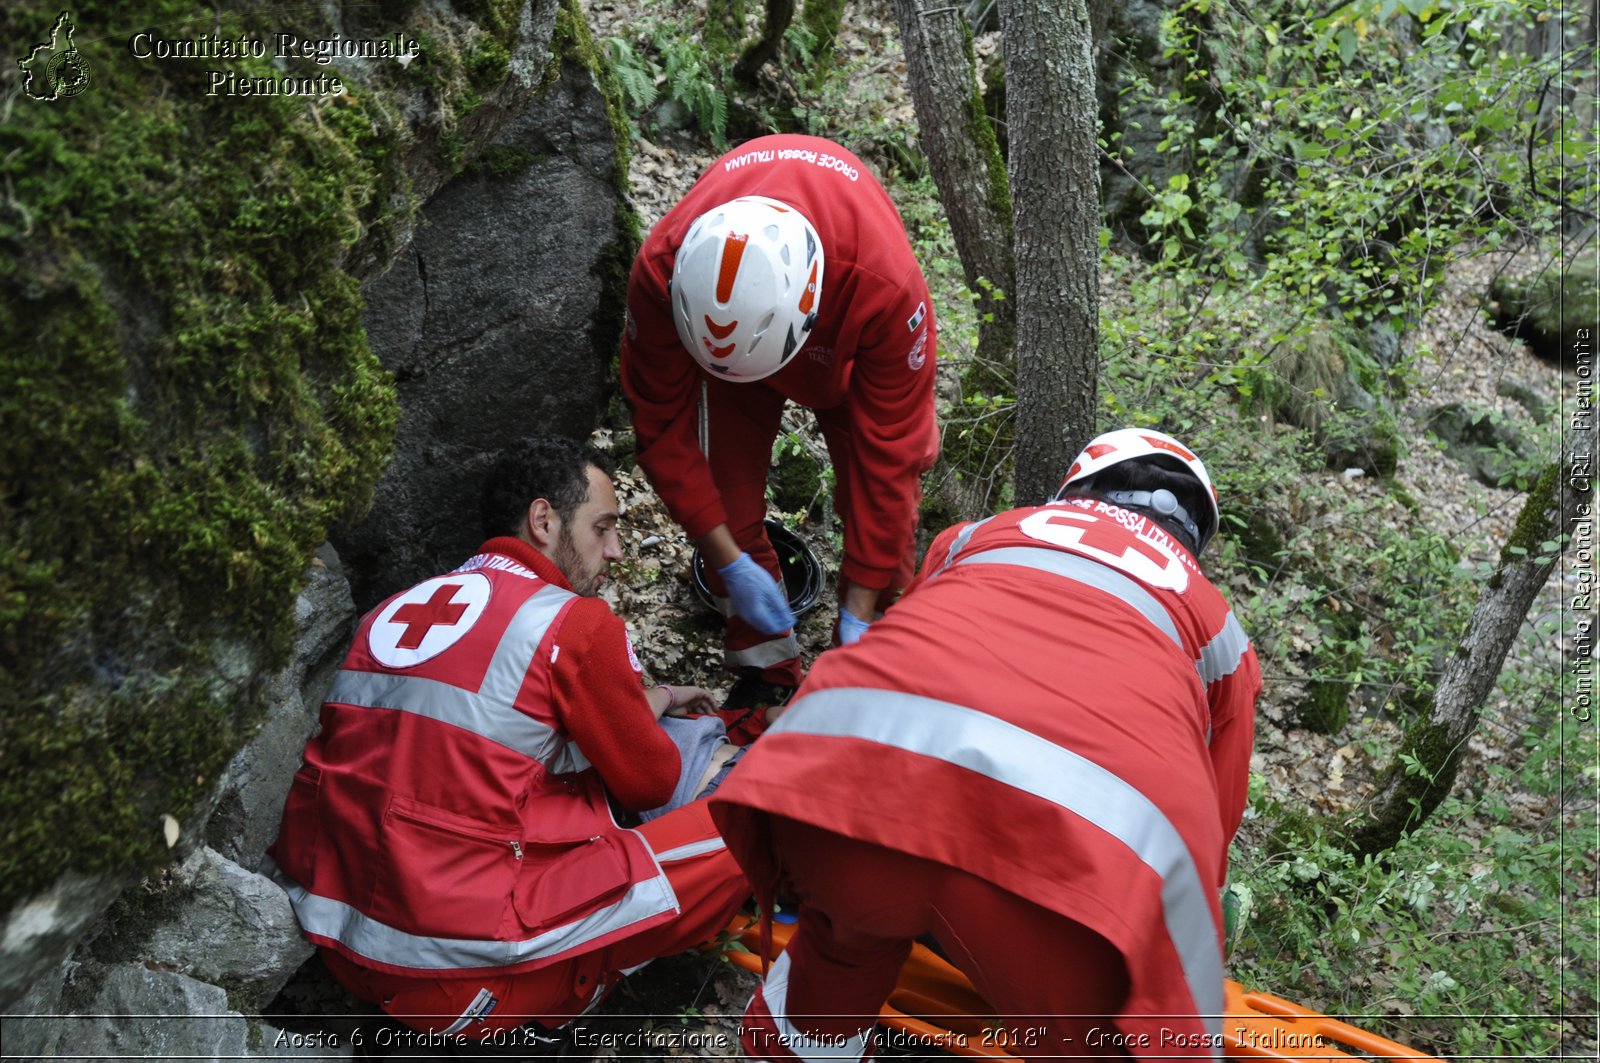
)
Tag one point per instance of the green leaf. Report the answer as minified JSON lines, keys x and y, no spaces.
{"x":1347,"y":45}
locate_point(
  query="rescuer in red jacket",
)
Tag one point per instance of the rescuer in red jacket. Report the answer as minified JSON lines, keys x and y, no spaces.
{"x":1056,"y":721}
{"x":784,"y":274}
{"x":449,"y":842}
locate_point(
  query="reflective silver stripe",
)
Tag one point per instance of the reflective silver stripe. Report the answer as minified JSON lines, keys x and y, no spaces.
{"x":337,"y":921}
{"x":447,"y":704}
{"x":775,"y":991}
{"x":763,"y":654}
{"x":1083,"y":570}
{"x":1221,"y":656}
{"x":488,"y":712}
{"x":1008,"y":754}
{"x":514,"y":655}
{"x":961,"y":540}
{"x":699,"y":848}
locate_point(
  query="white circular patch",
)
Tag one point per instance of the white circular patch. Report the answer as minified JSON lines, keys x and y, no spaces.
{"x":428,"y":619}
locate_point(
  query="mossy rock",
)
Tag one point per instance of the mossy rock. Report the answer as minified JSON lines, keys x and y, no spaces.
{"x":1327,"y":707}
{"x":190,"y":399}
{"x":1261,"y":541}
{"x":1492,"y":447}
{"x":1552,"y":310}
{"x":794,"y":483}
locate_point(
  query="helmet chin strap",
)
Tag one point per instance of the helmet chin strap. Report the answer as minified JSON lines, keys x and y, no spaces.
{"x":1162,"y":502}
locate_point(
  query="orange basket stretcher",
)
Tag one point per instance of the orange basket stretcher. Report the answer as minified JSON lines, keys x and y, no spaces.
{"x":933,"y":1005}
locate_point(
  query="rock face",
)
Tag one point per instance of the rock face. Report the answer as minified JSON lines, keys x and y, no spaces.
{"x":220,"y":410}
{"x":498,"y":321}
{"x":252,"y":790}
{"x":233,"y":927}
{"x":138,"y":1012}
{"x":1552,"y":310}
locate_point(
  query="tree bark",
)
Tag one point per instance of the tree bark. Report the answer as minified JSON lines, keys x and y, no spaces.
{"x":1055,"y":189}
{"x":970,"y":173}
{"x":1408,"y":793}
{"x":779,"y":14}
{"x":962,"y":151}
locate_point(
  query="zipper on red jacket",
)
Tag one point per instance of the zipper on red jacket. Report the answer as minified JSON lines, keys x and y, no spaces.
{"x":516,"y":849}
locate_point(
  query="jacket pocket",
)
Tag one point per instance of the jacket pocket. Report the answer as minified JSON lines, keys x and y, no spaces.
{"x":443,"y":874}
{"x":558,"y":884}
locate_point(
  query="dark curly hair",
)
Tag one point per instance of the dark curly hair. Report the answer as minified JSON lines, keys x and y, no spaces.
{"x":553,"y":468}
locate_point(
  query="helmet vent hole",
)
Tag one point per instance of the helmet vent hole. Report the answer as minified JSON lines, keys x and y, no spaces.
{"x":764,"y":324}
{"x":784,"y":254}
{"x":772,"y":235}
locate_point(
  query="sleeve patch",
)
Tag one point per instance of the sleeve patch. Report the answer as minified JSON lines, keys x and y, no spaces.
{"x":633,"y":658}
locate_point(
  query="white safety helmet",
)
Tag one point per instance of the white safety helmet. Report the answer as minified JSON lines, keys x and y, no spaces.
{"x":1128,"y":444}
{"x":746,"y":286}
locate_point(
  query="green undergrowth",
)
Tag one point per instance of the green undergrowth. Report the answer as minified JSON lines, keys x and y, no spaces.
{"x":1474,"y":937}
{"x":190,"y":403}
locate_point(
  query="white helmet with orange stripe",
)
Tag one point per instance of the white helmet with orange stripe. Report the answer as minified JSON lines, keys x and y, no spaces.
{"x":1131,"y":444}
{"x":746,"y":286}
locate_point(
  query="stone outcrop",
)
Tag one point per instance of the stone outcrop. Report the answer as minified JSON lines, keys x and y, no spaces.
{"x":195,"y":422}
{"x":499,"y":320}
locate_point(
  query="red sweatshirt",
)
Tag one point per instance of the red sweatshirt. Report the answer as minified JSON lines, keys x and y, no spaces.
{"x":598,"y":696}
{"x":872,"y":350}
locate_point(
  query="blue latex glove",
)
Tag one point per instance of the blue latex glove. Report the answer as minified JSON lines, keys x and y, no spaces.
{"x":850,"y":628}
{"x":757,"y":598}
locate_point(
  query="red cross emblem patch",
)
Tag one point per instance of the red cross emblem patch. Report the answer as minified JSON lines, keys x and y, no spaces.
{"x":427,"y":619}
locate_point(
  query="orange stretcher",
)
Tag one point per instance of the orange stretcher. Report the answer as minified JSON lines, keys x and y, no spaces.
{"x":934,"y":1006}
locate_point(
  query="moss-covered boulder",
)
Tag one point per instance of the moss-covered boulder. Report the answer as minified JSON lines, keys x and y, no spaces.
{"x":189,"y":397}
{"x":1552,"y":310}
{"x":1492,"y":446}
{"x":501,"y":317}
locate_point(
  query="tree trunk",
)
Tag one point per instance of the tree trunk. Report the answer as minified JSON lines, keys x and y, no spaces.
{"x":1430,"y":755}
{"x":961,"y":148}
{"x":822,"y":18}
{"x":970,"y":173}
{"x":1055,"y":189}
{"x":779,"y":14}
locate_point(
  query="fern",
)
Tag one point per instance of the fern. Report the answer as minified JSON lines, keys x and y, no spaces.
{"x":636,"y":74}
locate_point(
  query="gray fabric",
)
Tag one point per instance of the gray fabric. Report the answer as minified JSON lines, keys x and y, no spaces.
{"x":696,"y":737}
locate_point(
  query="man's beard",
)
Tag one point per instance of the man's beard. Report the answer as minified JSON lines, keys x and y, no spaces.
{"x":585,"y":582}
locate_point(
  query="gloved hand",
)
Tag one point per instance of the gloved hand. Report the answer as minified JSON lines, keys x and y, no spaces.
{"x":758,"y":599}
{"x":850,"y":628}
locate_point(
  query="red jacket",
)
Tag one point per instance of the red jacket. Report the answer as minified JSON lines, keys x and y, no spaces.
{"x":872,"y":348}
{"x":1060,"y":704}
{"x":452,"y":815}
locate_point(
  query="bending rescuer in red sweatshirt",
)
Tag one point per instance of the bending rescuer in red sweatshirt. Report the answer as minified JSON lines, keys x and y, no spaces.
{"x":784,"y":274}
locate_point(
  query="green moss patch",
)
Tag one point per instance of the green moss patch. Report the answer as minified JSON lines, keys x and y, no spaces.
{"x":190,"y":403}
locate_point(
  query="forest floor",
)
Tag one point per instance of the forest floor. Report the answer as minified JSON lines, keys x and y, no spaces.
{"x":689,"y":1007}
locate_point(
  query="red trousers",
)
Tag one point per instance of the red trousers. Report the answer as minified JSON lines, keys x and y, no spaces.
{"x":1053,"y":982}
{"x":742,"y":423}
{"x":709,"y":887}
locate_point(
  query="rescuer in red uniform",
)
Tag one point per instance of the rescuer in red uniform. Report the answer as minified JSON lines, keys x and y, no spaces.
{"x":1038,"y":757}
{"x":449,"y":842}
{"x":784,"y":274}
